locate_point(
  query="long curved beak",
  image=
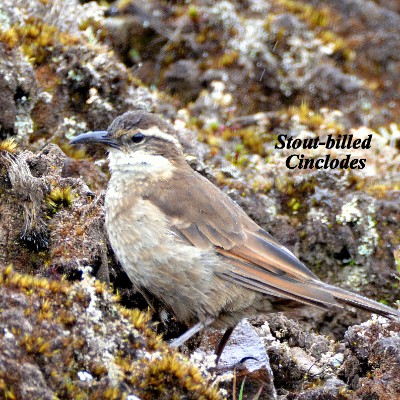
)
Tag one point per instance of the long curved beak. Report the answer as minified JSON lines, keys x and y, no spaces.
{"x":95,"y":137}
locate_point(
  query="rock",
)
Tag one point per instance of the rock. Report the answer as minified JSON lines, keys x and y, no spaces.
{"x":183,"y":79}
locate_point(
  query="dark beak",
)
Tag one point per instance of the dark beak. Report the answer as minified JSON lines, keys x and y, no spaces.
{"x":96,"y":137}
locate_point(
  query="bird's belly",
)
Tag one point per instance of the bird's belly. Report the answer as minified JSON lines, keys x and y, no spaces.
{"x":185,"y":278}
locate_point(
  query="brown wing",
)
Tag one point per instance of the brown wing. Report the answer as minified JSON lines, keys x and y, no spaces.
{"x":207,"y":218}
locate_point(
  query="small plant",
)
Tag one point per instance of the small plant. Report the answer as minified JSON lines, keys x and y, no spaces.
{"x":60,"y":197}
{"x":242,"y":389}
{"x":36,"y":39}
{"x":8,"y":145}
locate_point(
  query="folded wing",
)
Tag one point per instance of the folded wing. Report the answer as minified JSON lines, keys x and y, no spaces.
{"x":208,"y":219}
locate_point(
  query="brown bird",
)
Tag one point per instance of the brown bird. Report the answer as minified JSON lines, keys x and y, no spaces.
{"x":181,"y":239}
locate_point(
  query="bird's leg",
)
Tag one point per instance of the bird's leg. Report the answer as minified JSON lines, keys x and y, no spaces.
{"x":222,"y":343}
{"x":197,"y":328}
{"x":190,"y":332}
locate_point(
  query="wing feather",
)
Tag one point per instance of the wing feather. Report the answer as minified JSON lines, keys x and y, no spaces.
{"x":207,"y":218}
{"x":196,"y":238}
{"x":277,"y":285}
{"x":265,"y":251}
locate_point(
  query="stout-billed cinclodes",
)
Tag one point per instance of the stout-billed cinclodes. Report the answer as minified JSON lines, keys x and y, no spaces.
{"x":181,"y":239}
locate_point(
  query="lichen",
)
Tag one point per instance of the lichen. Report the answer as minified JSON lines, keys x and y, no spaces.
{"x":351,"y":213}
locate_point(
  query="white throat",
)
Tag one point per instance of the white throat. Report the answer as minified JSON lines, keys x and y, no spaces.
{"x":140,"y":165}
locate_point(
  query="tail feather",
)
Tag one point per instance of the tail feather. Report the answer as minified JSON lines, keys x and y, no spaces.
{"x":356,"y":300}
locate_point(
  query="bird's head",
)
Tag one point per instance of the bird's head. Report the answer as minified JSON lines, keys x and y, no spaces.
{"x":138,"y":140}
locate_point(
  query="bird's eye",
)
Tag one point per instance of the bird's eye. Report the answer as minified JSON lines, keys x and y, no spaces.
{"x":138,"y":137}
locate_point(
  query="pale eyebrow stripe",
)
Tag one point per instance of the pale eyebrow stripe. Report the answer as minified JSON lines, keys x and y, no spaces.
{"x":156,"y":132}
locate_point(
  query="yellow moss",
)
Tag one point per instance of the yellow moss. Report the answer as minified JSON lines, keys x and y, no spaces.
{"x":46,"y":305}
{"x":80,"y":230}
{"x":100,"y":287}
{"x":55,"y":286}
{"x":76,"y":152}
{"x":45,"y":315}
{"x":35,"y":345}
{"x":30,"y":283}
{"x":59,"y":197}
{"x":338,"y":44}
{"x":138,"y":319}
{"x":376,"y":188}
{"x":8,"y":271}
{"x":9,"y":395}
{"x":163,"y":374}
{"x":80,"y":295}
{"x":113,"y":394}
{"x":251,"y":140}
{"x":313,"y":119}
{"x":318,"y":18}
{"x":116,"y":297}
{"x":26,"y":281}
{"x":209,"y":34}
{"x":10,"y":37}
{"x":154,"y":342}
{"x":8,"y":145}
{"x":15,"y":331}
{"x":98,"y":369}
{"x":40,"y":283}
{"x":227,"y":59}
{"x":121,"y":4}
{"x":66,"y":318}
{"x":284,"y":185}
{"x":172,"y":373}
{"x":36,"y":38}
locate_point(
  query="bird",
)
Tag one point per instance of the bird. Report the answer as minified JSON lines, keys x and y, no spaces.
{"x":182,"y":240}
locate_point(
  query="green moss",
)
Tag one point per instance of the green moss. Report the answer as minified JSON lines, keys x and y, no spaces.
{"x":239,"y":157}
{"x":294,"y":204}
{"x":285,"y":185}
{"x":193,"y":13}
{"x":249,"y":140}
